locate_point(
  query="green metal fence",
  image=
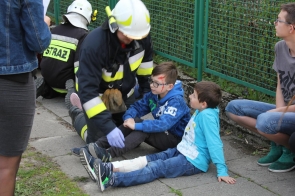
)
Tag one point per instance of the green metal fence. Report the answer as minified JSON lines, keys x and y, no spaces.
{"x":233,"y":39}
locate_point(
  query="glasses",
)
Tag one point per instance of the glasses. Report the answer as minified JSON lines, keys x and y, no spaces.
{"x":281,"y":21}
{"x":155,"y":84}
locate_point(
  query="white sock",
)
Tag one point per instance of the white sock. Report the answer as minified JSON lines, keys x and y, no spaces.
{"x":130,"y":165}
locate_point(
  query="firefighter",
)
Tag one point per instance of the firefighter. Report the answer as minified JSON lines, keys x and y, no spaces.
{"x":60,"y":59}
{"x":112,"y":57}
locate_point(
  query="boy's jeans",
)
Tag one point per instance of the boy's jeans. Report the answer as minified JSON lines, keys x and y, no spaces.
{"x":267,"y":122}
{"x":166,"y":164}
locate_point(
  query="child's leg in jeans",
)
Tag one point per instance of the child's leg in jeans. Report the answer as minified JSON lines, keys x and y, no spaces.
{"x":168,"y":168}
{"x":141,"y":162}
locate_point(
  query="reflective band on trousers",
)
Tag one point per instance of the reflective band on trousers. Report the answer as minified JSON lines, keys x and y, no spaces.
{"x":59,"y":90}
{"x":83,"y":135}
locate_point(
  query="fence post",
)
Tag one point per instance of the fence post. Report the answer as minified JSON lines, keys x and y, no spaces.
{"x":198,"y":35}
{"x":200,"y":38}
{"x":112,"y":3}
{"x":205,"y":36}
{"x":56,"y":11}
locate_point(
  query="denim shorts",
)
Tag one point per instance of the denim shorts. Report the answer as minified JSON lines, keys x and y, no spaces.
{"x":267,"y":122}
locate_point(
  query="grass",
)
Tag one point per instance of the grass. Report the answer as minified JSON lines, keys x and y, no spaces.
{"x":39,"y":175}
{"x":177,"y":192}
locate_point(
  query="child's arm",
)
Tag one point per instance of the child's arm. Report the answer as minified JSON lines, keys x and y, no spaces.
{"x":139,"y":108}
{"x":210,"y":126}
{"x":130,"y":123}
{"x":172,"y":114}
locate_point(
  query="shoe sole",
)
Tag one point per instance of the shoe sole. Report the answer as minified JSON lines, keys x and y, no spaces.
{"x":75,"y":100}
{"x":97,"y":171}
{"x":87,"y":167}
{"x":281,"y":171}
{"x":264,"y":164}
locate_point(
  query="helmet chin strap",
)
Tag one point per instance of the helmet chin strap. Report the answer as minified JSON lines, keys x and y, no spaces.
{"x":112,"y":20}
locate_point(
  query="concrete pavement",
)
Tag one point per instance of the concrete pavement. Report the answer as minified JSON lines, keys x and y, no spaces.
{"x":54,"y":136}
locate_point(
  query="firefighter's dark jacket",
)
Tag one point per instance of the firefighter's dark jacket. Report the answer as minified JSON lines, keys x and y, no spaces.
{"x":105,"y":64}
{"x":60,"y":58}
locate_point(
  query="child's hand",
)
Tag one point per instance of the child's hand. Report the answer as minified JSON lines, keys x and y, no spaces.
{"x":227,"y":179}
{"x":130,"y":123}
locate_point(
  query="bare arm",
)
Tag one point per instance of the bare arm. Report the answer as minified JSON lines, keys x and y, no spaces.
{"x":291,"y":108}
{"x":279,"y":95}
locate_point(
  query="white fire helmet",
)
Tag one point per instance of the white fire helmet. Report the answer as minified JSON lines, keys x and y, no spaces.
{"x":79,"y":14}
{"x":133,"y":18}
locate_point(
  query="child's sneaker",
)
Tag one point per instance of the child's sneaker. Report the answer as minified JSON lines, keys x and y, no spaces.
{"x":99,"y":152}
{"x":273,"y":155}
{"x":75,"y":100}
{"x":104,"y":171}
{"x":285,"y":163}
{"x":87,"y":162}
{"x":78,"y":151}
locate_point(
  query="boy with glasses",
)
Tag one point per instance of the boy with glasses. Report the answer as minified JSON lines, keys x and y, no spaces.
{"x":166,"y":104}
{"x":269,"y":120}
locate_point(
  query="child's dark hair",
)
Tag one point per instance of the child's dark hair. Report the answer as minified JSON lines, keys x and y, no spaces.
{"x":168,"y":69}
{"x":290,"y":9}
{"x":209,"y":92}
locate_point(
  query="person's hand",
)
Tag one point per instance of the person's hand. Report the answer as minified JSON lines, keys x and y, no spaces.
{"x":47,"y":20}
{"x":130,"y":123}
{"x":128,"y":120}
{"x":116,"y":138}
{"x":227,"y":179}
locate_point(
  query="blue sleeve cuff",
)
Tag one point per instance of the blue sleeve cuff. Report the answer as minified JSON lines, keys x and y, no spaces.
{"x":126,"y":117}
{"x":138,"y":126}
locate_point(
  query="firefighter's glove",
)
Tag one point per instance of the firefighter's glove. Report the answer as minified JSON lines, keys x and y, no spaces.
{"x":116,"y":138}
{"x":113,"y":100}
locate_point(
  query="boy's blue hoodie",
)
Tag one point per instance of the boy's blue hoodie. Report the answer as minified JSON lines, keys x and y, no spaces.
{"x":170,"y":113}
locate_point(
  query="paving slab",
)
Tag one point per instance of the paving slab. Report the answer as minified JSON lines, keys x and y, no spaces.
{"x":53,"y":135}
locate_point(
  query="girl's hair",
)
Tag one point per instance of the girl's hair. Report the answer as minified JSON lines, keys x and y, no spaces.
{"x":209,"y":92}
